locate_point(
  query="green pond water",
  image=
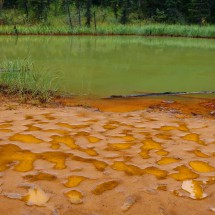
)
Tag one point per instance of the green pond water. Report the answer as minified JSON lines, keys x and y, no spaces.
{"x":103,"y":66}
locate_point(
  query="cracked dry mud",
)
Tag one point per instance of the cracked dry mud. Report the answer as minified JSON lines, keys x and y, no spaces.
{"x":82,"y":161}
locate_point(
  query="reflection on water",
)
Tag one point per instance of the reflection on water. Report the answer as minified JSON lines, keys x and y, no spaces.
{"x":103,"y":66}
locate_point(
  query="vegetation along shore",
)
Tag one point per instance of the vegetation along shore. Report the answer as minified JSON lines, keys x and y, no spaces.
{"x":192,"y":18}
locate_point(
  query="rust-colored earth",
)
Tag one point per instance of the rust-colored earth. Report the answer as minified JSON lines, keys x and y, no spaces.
{"x":101,"y":157}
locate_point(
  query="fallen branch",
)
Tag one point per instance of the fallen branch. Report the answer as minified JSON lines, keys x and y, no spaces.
{"x":159,"y":94}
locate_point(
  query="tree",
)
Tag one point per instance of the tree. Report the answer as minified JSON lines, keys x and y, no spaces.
{"x":39,"y":9}
{"x":88,"y":13}
{"x":199,"y":11}
{"x":141,"y":9}
{"x":125,"y":11}
{"x":114,"y":4}
{"x":173,"y":15}
{"x":1,"y":6}
{"x":78,"y":7}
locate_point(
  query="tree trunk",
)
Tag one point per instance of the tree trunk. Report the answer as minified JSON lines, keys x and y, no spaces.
{"x":94,"y":16}
{"x":69,"y":14}
{"x":88,"y":13}
{"x":79,"y":12}
{"x":1,"y":5}
{"x":26,"y":10}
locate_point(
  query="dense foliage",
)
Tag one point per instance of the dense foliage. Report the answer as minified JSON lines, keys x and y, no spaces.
{"x":124,"y":11}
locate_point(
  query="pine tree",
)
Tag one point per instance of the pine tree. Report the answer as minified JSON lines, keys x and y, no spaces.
{"x":125,"y":11}
{"x":88,"y":13}
{"x":1,"y":7}
{"x":171,"y":11}
{"x":39,"y":9}
{"x":199,"y":11}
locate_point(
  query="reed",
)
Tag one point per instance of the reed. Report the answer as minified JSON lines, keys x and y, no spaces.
{"x":21,"y":78}
{"x":195,"y":31}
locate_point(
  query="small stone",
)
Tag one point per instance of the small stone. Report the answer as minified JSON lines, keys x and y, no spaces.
{"x":13,"y":195}
{"x":151,"y":191}
{"x":213,"y":209}
{"x":212,"y":113}
{"x":129,"y":202}
{"x":55,"y":212}
{"x":169,"y":102}
{"x":162,"y":211}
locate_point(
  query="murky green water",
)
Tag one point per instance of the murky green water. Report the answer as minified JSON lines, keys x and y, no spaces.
{"x":103,"y":66}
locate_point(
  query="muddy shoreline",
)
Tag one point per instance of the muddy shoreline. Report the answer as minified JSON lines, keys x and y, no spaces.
{"x":107,"y":157}
{"x":111,"y":35}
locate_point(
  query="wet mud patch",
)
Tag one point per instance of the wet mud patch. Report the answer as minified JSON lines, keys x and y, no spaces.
{"x":83,"y":157}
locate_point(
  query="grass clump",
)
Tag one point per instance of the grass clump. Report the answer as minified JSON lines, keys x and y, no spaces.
{"x":21,"y":78}
{"x":141,"y":29}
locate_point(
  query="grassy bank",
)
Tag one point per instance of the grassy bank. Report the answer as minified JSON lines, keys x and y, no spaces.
{"x":194,"y":31}
{"x":21,"y":78}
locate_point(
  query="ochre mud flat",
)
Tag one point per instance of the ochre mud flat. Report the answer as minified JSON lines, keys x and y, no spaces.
{"x":75,"y":160}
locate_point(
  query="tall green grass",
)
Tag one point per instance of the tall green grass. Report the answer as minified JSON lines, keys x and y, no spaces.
{"x":207,"y":31}
{"x":21,"y":78}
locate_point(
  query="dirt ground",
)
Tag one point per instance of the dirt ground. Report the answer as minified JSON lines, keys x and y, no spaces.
{"x":91,"y":161}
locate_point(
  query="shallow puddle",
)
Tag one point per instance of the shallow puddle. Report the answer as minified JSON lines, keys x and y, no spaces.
{"x":74,"y":181}
{"x":156,"y":172}
{"x":67,"y":140}
{"x":40,"y":177}
{"x":92,"y":139}
{"x":167,"y":160}
{"x":127,"y":168}
{"x":201,"y":166}
{"x":25,"y":138}
{"x":184,"y":173}
{"x":194,"y":138}
{"x":200,"y":154}
{"x":66,"y":125}
{"x":119,"y":146}
{"x":194,"y":188}
{"x":36,"y":196}
{"x":101,"y":188}
{"x":12,"y":155}
{"x":75,"y":197}
{"x":5,"y":125}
